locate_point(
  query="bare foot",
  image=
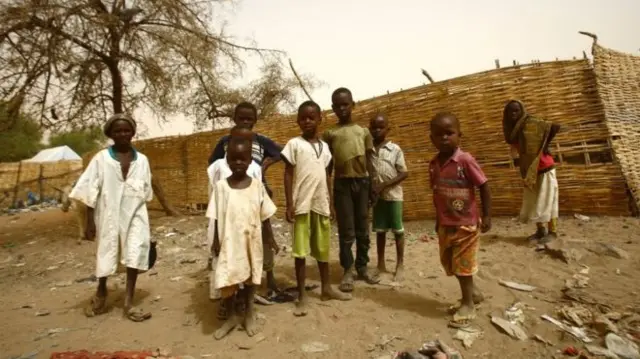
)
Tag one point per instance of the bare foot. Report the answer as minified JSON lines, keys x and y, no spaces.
{"x":250,"y":325}
{"x":463,"y":317}
{"x":399,"y":273}
{"x":330,"y":294}
{"x":301,"y":307}
{"x":227,"y":327}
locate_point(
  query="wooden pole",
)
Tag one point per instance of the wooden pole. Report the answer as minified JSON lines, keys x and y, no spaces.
{"x":426,"y":74}
{"x":15,"y":188}
{"x":41,"y":184}
{"x":497,"y":63}
{"x":295,"y":73}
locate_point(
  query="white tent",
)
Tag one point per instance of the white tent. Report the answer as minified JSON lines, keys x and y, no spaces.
{"x":61,"y":153}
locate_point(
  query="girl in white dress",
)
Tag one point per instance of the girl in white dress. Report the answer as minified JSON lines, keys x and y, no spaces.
{"x":241,"y":209}
{"x":115,"y":188}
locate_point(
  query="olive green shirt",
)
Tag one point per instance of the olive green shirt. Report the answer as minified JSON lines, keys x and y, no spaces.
{"x":349,"y":145}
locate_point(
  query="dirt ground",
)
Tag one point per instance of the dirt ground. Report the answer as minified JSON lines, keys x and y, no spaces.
{"x":43,"y":270}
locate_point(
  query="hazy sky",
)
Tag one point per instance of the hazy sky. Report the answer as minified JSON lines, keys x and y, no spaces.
{"x":375,"y":46}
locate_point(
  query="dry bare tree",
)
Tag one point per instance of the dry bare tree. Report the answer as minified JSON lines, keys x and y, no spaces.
{"x":75,"y":62}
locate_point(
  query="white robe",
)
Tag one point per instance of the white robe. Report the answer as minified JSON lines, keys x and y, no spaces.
{"x":120,"y":211}
{"x":240,"y":213}
{"x":220,"y":170}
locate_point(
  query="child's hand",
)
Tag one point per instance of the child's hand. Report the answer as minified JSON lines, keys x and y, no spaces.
{"x":290,"y":215}
{"x":378,"y":188}
{"x":332,"y":214}
{"x":486,"y":224}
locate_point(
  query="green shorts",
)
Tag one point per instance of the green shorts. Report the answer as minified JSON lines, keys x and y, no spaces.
{"x":312,"y":236}
{"x":387,"y":216}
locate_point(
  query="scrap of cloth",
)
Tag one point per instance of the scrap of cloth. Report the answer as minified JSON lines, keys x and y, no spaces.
{"x":531,"y":134}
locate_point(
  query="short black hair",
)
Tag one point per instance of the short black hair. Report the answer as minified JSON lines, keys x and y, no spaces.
{"x":234,"y":134}
{"x":444,"y":114}
{"x":340,"y":90}
{"x":309,"y":103}
{"x":247,"y":105}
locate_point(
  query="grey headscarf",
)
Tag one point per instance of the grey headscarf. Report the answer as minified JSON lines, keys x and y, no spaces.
{"x":116,"y":117}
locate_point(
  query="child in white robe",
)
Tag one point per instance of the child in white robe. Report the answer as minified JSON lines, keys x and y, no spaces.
{"x":241,"y":209}
{"x":217,"y":171}
{"x":115,"y":188}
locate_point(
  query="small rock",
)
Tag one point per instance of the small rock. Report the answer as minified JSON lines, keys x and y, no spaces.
{"x":315,"y":347}
{"x":175,"y":279}
{"x":63,"y":284}
{"x":156,"y":299}
{"x":42,"y":313}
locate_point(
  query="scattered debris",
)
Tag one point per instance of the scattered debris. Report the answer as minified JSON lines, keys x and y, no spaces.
{"x":614,"y":251}
{"x":517,"y":286}
{"x":571,"y":351}
{"x":600,"y":351}
{"x":468,"y":335}
{"x":576,"y":314}
{"x":188,"y":261}
{"x":577,"y":281}
{"x":585,"y":269}
{"x":622,"y":347}
{"x":515,"y":314}
{"x":315,"y":347}
{"x":576,"y":332}
{"x":558,"y":249}
{"x":91,"y":278}
{"x":175,"y":279}
{"x":156,"y":299}
{"x":581,"y":217}
{"x":542,"y":340}
{"x":603,"y":325}
{"x":509,"y":328}
{"x":579,"y":296}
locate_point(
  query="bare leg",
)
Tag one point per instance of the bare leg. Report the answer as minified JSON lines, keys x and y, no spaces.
{"x":249,"y":315}
{"x":102,"y":287}
{"x":134,"y":314}
{"x":301,"y":276}
{"x":327,"y":291}
{"x":381,"y":242}
{"x":467,"y":312}
{"x":271,"y":281}
{"x":231,"y":323}
{"x":400,"y":256}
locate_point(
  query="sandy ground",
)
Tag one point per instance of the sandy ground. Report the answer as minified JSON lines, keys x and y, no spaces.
{"x":42,"y":267}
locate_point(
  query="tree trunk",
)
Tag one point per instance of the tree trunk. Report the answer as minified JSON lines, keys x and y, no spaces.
{"x":116,"y":80}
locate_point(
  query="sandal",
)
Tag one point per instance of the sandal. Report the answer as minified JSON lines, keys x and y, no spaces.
{"x":97,"y":306}
{"x":462,"y":321}
{"x":369,"y":276}
{"x":347,"y":283}
{"x":137,"y":315}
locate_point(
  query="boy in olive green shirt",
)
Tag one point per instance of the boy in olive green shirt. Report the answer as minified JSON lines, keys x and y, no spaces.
{"x":351,"y":147}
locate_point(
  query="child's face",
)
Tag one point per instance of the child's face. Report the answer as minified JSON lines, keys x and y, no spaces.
{"x":309,"y":120}
{"x":342,"y":105}
{"x":239,"y":158}
{"x":379,"y":128}
{"x":245,"y":117}
{"x":445,"y":134}
{"x":514,"y":111}
{"x":121,"y":132}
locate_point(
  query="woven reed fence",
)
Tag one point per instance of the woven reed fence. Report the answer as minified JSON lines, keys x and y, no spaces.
{"x":39,"y":178}
{"x":561,"y":91}
{"x":618,"y":83}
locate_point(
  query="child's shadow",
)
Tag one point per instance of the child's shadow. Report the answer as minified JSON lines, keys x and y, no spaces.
{"x":201,"y":306}
{"x":115,"y":299}
{"x":491,"y":239}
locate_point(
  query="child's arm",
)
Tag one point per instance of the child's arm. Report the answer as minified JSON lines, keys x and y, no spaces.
{"x":215,"y":246}
{"x":485,"y":197}
{"x":267,"y":235}
{"x":552,"y":134}
{"x":288,"y":189}
{"x":390,"y":183}
{"x":271,"y":151}
{"x":332,"y":210}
